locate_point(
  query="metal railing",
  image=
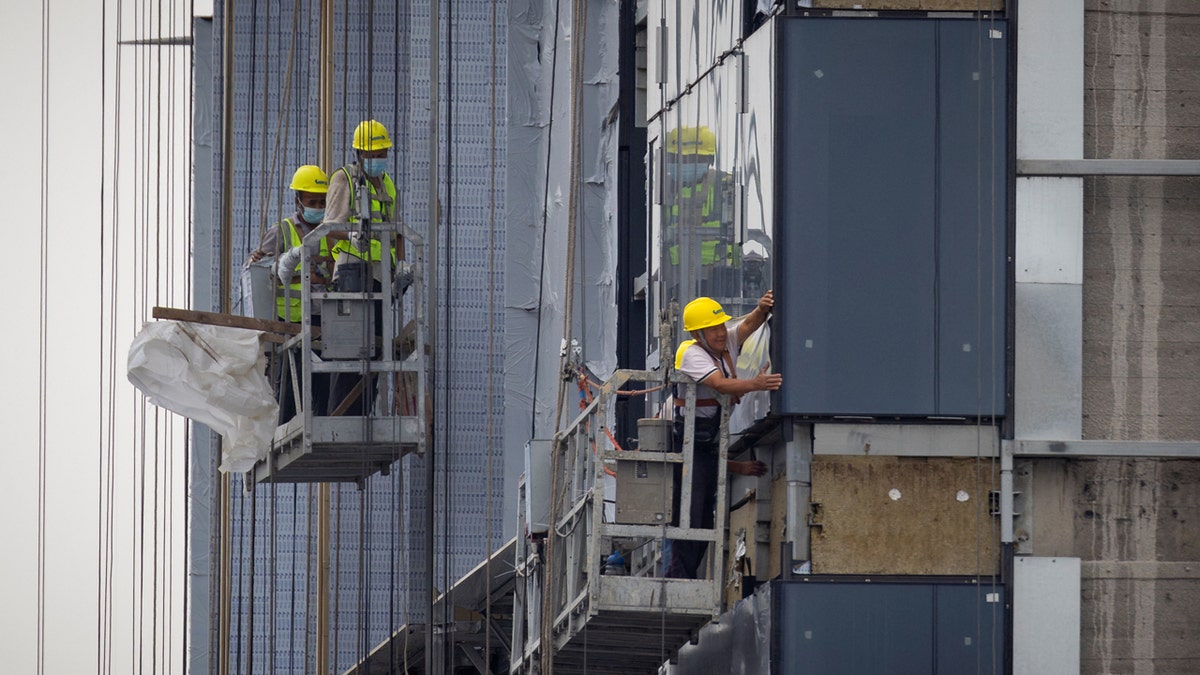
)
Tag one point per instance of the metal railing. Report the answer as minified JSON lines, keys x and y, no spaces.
{"x":566,"y":584}
{"x":315,"y":435}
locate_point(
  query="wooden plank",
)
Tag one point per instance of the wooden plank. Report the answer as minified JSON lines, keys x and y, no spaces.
{"x":904,"y":515}
{"x":228,"y":320}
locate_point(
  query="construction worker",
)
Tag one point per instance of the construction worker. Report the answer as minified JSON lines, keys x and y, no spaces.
{"x":310,"y":185}
{"x":709,"y":358}
{"x":371,"y":144}
{"x":699,"y":227}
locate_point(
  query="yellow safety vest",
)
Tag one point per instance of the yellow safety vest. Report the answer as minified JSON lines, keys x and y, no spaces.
{"x":288,"y":228}
{"x":381,"y":212}
{"x":702,"y":209}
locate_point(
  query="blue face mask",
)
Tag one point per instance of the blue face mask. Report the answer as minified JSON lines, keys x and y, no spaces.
{"x":374,"y":166}
{"x":690,"y":174}
{"x":313,"y":216}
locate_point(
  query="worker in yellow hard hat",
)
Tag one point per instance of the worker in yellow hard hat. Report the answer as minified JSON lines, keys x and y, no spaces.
{"x":371,"y":144}
{"x":310,"y":185}
{"x":709,"y":358}
{"x":700,"y":196}
{"x":354,"y":256}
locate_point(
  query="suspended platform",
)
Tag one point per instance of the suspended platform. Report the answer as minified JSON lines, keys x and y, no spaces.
{"x":339,"y":449}
{"x":633,"y":626}
{"x":371,"y":339}
{"x":572,"y":613}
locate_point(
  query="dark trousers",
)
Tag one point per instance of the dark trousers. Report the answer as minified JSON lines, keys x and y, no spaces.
{"x":686,"y":555}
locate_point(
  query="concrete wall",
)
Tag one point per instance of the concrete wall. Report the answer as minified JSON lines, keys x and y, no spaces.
{"x":1132,"y":521}
{"x":1141,"y":299}
{"x":1133,"y":524}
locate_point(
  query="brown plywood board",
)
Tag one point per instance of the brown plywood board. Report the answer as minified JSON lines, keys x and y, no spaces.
{"x":904,"y":515}
{"x":743,"y":522}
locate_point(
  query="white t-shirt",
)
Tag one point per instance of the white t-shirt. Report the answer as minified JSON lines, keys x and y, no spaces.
{"x":698,"y":364}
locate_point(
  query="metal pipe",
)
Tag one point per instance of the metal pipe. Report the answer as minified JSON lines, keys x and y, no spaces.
{"x":1108,"y":167}
{"x":225,"y":284}
{"x":226,"y":267}
{"x":324,"y":500}
{"x":325,"y":74}
{"x":799,"y":489}
{"x":432,"y":237}
{"x":1006,"y":492}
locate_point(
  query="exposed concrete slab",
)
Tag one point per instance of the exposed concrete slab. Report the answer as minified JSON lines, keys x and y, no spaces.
{"x":1132,"y":522}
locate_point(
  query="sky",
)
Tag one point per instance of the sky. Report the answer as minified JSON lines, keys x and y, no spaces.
{"x":93,"y":508}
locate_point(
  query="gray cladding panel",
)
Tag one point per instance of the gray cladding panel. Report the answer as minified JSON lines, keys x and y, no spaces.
{"x":970,"y":625}
{"x":852,"y":627}
{"x":856,"y":216}
{"x":891,"y":221}
{"x":972,"y":218}
{"x":825,"y":628}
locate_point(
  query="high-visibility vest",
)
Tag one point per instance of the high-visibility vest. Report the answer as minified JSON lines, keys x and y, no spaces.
{"x":381,"y":212}
{"x":285,"y":312}
{"x":700,"y":209}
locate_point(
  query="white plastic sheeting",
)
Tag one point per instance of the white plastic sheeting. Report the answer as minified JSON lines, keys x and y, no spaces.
{"x":752,"y":358}
{"x":213,"y":375}
{"x":541,"y":89}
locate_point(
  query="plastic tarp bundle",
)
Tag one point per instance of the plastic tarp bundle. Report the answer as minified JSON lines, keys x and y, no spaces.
{"x":755,"y":353}
{"x":213,"y":375}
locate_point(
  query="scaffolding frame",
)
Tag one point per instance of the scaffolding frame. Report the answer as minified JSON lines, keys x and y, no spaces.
{"x":564,"y":601}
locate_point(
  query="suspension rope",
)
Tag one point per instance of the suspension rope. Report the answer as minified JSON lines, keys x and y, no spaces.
{"x":448,"y":323}
{"x":491,"y":332}
{"x":43,"y":329}
{"x":272,"y":182}
{"x":107,"y":350}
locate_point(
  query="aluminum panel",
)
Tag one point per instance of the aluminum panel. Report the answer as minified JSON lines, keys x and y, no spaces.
{"x":1087,"y":449}
{"x":823,"y":628}
{"x":972,"y":217}
{"x":1049,"y":230}
{"x":905,"y":440}
{"x":537,"y":485}
{"x":1050,"y":80}
{"x":1048,"y":386}
{"x":892,"y":231}
{"x":855,"y":224}
{"x":1046,"y":599}
{"x":969,"y":628}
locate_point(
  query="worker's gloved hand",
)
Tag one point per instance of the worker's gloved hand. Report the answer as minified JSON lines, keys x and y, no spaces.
{"x":286,"y":269}
{"x":403,"y":279}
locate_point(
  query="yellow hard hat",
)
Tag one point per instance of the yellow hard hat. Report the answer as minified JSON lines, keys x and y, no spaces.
{"x":310,"y":178}
{"x":703,"y":313}
{"x":371,"y":135}
{"x":692,"y":141}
